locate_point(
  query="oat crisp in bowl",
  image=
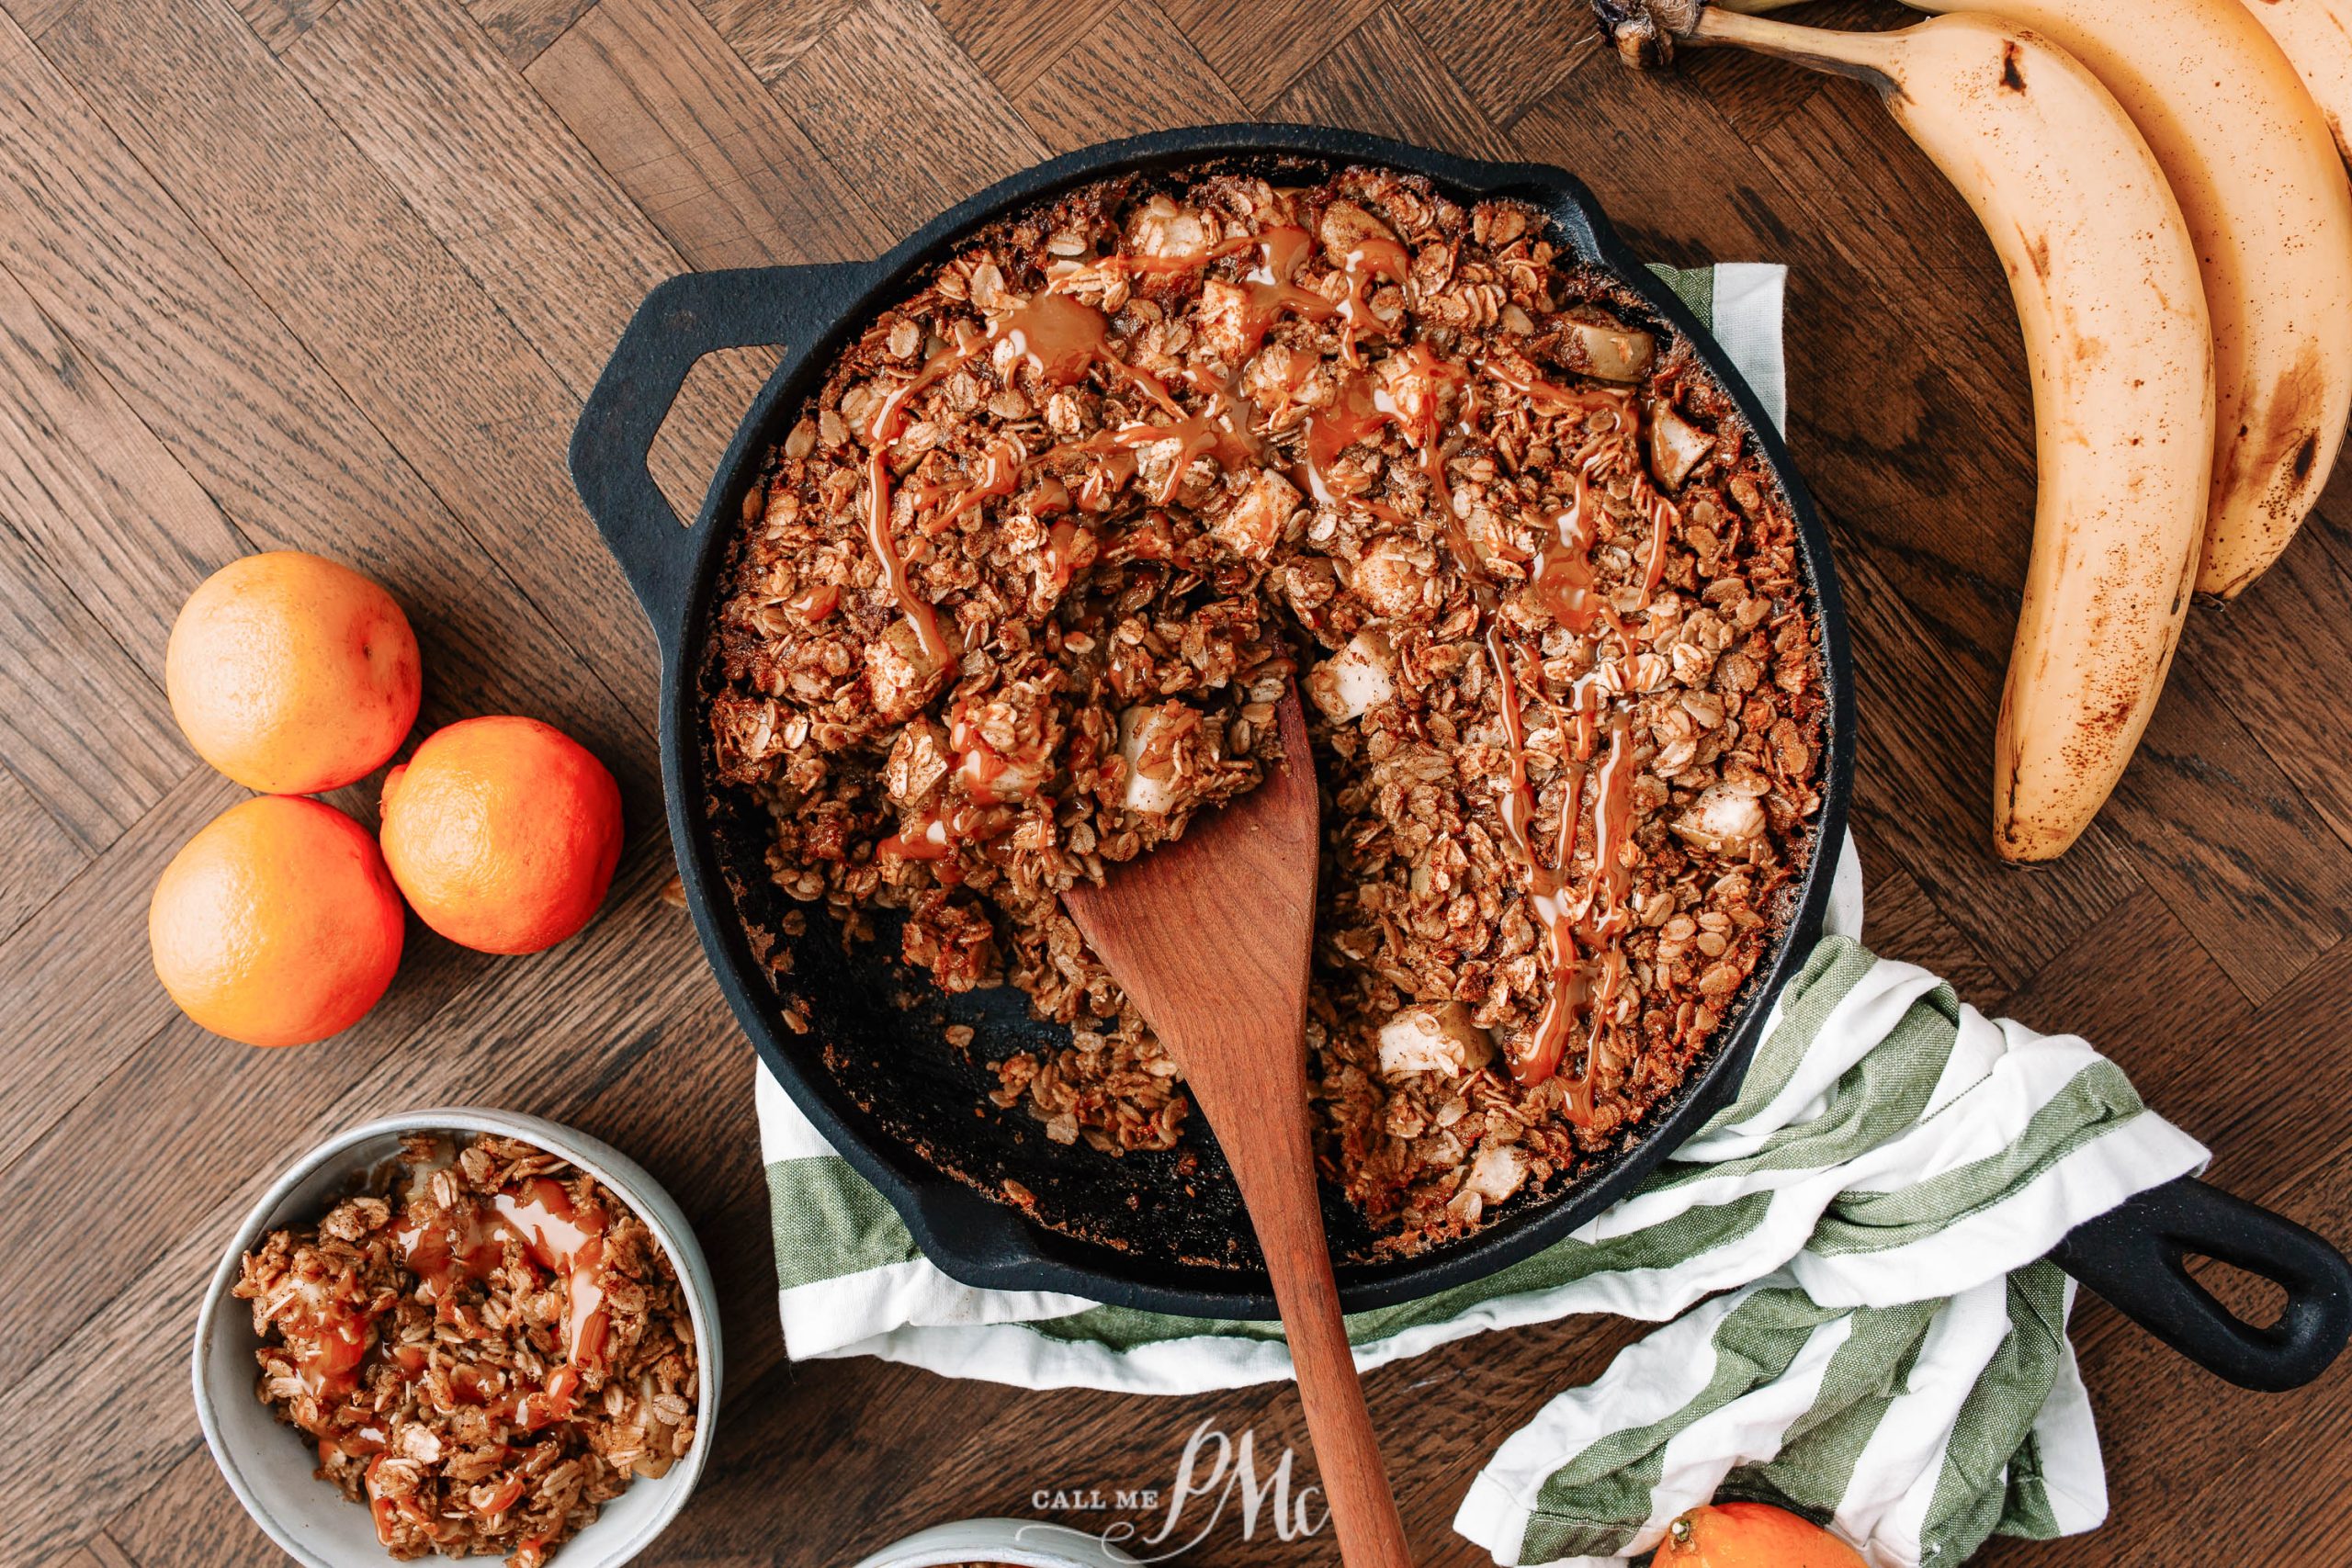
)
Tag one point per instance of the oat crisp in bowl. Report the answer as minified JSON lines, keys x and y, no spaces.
{"x":460,"y":1334}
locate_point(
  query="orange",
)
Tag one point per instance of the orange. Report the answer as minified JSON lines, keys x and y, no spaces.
{"x":1751,"y":1535}
{"x":277,"y":923}
{"x":292,"y":673}
{"x":504,"y":833}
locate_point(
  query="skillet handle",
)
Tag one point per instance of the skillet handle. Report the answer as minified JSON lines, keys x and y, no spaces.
{"x":682,"y":320}
{"x":2135,"y":1255}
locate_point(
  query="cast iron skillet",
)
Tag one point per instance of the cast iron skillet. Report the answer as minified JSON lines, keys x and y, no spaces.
{"x":1164,"y":1231}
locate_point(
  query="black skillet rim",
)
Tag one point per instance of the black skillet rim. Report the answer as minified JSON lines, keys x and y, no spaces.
{"x":981,"y":1240}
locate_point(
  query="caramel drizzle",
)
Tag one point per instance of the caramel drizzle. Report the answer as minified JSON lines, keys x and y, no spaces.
{"x":1270,"y":285}
{"x":1373,"y":258}
{"x":882,"y":432}
{"x":1622,"y":444}
{"x":1565,"y":918}
{"x":1364,"y":403}
{"x":1561,"y":583}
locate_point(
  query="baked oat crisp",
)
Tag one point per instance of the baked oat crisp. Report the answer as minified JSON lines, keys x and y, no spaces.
{"x":1017,"y":595}
{"x":482,"y":1354}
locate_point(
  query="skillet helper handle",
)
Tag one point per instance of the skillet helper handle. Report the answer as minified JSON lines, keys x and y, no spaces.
{"x":2136,"y":1256}
{"x":682,"y":320}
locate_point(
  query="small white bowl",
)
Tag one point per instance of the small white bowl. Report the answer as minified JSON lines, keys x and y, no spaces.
{"x":268,"y":1464}
{"x":1013,"y":1543}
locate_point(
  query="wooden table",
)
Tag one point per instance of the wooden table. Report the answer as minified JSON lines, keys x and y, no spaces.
{"x":336,"y":276}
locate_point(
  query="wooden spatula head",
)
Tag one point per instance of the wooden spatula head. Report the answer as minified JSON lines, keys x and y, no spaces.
{"x":1217,"y":925}
{"x":1210,"y":937}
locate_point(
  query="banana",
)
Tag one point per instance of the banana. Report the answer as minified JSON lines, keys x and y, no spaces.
{"x":2317,"y":36}
{"x":2250,"y":159}
{"x":2104,"y":277}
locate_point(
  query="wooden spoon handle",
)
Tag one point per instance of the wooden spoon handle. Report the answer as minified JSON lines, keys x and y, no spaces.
{"x":1347,"y":1453}
{"x":1274,"y":1163}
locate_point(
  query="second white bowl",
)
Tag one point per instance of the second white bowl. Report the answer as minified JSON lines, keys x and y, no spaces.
{"x":268,"y":1464}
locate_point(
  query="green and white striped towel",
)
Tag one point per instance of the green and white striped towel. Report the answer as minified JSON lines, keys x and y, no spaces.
{"x":1847,"y":1253}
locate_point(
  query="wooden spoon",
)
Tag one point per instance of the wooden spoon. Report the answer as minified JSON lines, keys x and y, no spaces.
{"x":1209,"y":936}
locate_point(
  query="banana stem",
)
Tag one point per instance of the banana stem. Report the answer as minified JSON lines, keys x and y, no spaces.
{"x":1871,"y":57}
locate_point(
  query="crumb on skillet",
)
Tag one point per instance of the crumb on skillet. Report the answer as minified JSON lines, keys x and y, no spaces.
{"x":1013,"y":599}
{"x":484,"y":1356}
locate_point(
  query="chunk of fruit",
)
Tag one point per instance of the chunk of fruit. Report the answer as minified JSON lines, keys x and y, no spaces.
{"x":1354,"y":681}
{"x":1434,"y":1037}
{"x":1751,"y":1535}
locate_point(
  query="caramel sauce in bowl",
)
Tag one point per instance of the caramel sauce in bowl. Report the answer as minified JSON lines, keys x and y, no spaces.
{"x":268,"y":1464}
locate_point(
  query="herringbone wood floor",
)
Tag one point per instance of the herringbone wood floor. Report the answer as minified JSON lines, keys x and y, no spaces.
{"x":335,"y":274}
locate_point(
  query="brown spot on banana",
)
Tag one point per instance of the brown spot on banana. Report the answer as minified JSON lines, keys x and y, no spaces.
{"x":2037,"y":251}
{"x":2274,"y":461}
{"x":2011,"y":76}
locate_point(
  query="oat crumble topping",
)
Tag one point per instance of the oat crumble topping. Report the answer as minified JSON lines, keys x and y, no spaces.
{"x":1014,"y":598}
{"x":482,"y":1354}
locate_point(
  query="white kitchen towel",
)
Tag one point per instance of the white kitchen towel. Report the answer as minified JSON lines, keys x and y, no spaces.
{"x":1835,"y":1249}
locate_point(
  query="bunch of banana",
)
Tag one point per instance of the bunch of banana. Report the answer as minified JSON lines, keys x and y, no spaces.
{"x":2103,"y":147}
{"x":2317,"y":36}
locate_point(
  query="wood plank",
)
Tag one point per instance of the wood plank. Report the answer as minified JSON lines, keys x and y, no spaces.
{"x":1753,"y":94}
{"x":1681,"y":187}
{"x":81,"y":724}
{"x":2275,"y":657}
{"x":1089,"y":92}
{"x":113,"y":1394}
{"x":1901,"y":921}
{"x":1383,"y":79}
{"x":1505,"y":53}
{"x":186,"y":1166}
{"x":1015,"y":42}
{"x":38,"y":856}
{"x":278,"y":23}
{"x":189,"y":1515}
{"x":392,"y":315}
{"x":501,"y":180}
{"x":94,"y":493}
{"x":179,"y":333}
{"x":682,"y":125}
{"x":493,"y":173}
{"x":771,"y":37}
{"x":1879,"y":386}
{"x":660,"y":1105}
{"x":2142,"y":990}
{"x":108,"y":1553}
{"x":33,"y":17}
{"x":2269,"y":1090}
{"x":523,"y":29}
{"x":876,"y":92}
{"x":2222,"y":835}
{"x":82,"y":995}
{"x":1260,"y":46}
